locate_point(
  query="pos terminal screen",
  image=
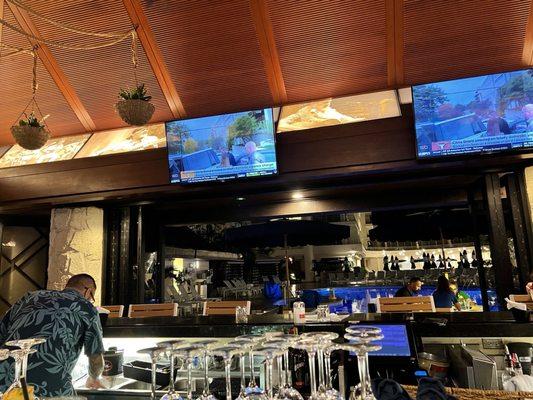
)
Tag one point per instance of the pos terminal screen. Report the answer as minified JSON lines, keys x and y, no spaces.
{"x":395,"y":342}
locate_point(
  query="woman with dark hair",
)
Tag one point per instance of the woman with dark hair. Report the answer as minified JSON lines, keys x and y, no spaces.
{"x":443,"y":296}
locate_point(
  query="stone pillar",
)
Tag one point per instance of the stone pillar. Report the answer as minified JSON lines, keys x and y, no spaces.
{"x":308,"y":263}
{"x":76,"y":246}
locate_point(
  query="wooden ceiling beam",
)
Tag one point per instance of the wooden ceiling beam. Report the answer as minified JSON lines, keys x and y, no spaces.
{"x":155,"y":57}
{"x":395,"y":42}
{"x":269,"y":51}
{"x":53,"y":68}
{"x":1,"y":16}
{"x":527,"y":53}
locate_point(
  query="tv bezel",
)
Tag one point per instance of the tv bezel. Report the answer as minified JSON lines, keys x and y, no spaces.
{"x":224,"y":181}
{"x":458,"y":157}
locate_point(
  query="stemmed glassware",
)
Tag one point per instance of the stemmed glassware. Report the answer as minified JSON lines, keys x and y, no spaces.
{"x":21,"y":361}
{"x":254,"y":340}
{"x":362,"y":338}
{"x":154,"y":353}
{"x":205,"y":346}
{"x":243,"y":347}
{"x":189,"y":353}
{"x":311,"y":347}
{"x":286,"y":390}
{"x":270,"y":353}
{"x":324,"y":340}
{"x":4,"y":355}
{"x":227,"y":353}
{"x":170,"y":348}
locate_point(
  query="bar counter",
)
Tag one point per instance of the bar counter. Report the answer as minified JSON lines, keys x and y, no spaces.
{"x":486,"y":324}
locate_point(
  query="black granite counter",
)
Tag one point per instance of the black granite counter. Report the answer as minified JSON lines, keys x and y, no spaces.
{"x":486,"y":324}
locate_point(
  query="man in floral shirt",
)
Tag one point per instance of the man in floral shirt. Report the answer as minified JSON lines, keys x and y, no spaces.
{"x":68,"y":321}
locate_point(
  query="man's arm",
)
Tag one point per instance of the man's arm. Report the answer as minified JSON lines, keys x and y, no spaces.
{"x":96,"y":366}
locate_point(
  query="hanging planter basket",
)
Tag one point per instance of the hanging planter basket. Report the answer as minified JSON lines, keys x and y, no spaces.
{"x":135,"y":111}
{"x":30,"y":137}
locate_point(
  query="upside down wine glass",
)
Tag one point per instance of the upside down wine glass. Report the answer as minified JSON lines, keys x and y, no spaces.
{"x":226,"y":353}
{"x":170,"y":347}
{"x":205,"y":346}
{"x":270,"y":353}
{"x":364,"y":336}
{"x":154,"y":353}
{"x":253,"y":340}
{"x":285,"y":391}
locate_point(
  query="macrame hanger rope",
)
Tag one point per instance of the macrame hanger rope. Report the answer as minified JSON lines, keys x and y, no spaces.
{"x":64,"y":26}
{"x":134,"y":58}
{"x":60,"y":45}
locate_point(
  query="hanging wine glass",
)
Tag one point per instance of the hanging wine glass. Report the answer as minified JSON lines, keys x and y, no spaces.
{"x":154,"y":353}
{"x":205,"y":347}
{"x":254,"y":340}
{"x":171,"y":347}
{"x":226,"y":353}
{"x":20,"y":356}
{"x":286,"y":390}
{"x":270,"y":353}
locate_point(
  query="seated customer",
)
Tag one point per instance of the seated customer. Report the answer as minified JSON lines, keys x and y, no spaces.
{"x":443,"y":296}
{"x":411,"y":289}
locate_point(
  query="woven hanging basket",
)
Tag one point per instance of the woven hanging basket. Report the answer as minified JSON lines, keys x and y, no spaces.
{"x":30,"y":137}
{"x":135,"y":111}
{"x":476,"y":394}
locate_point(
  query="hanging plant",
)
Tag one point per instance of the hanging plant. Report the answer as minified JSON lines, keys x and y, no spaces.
{"x":134,"y":106}
{"x":30,"y":133}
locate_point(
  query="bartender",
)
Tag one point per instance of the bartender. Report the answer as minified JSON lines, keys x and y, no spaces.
{"x":68,"y":321}
{"x":411,"y":289}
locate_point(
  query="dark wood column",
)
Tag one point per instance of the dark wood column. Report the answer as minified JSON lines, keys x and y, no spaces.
{"x":521,"y":225}
{"x":499,"y":246}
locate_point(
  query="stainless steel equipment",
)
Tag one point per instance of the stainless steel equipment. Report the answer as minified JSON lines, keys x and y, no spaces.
{"x":471,"y":368}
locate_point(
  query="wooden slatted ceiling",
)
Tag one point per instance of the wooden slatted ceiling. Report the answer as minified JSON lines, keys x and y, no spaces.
{"x":15,"y":73}
{"x":330,"y":48}
{"x":212,"y":53}
{"x":98,"y":74}
{"x":217,"y":52}
{"x":449,"y":39}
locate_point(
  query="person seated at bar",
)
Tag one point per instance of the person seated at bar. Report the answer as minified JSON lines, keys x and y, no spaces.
{"x":443,"y":296}
{"x":68,"y":321}
{"x":411,"y":289}
{"x":529,"y":286}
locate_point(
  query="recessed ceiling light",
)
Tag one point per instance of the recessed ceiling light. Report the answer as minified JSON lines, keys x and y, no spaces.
{"x":297,"y":195}
{"x":241,"y":198}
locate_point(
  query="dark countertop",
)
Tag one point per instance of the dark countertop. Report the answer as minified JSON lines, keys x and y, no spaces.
{"x":465,"y":324}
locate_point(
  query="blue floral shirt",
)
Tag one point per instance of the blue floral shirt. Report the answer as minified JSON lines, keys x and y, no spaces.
{"x":68,"y":321}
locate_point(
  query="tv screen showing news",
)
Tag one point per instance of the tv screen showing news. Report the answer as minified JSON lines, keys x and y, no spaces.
{"x":483,"y":114}
{"x":222,"y":147}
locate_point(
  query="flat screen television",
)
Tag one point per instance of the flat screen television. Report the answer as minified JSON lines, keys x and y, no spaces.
{"x":482,"y":114}
{"x":222,"y":147}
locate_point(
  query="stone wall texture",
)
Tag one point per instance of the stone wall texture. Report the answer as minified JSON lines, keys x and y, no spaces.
{"x":76,"y":246}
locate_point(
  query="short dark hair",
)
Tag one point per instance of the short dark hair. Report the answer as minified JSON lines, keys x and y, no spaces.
{"x":415,"y":279}
{"x":81,"y":281}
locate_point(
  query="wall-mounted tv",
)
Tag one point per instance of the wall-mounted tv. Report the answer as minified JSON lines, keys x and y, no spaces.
{"x":222,"y":147}
{"x":482,"y":114}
